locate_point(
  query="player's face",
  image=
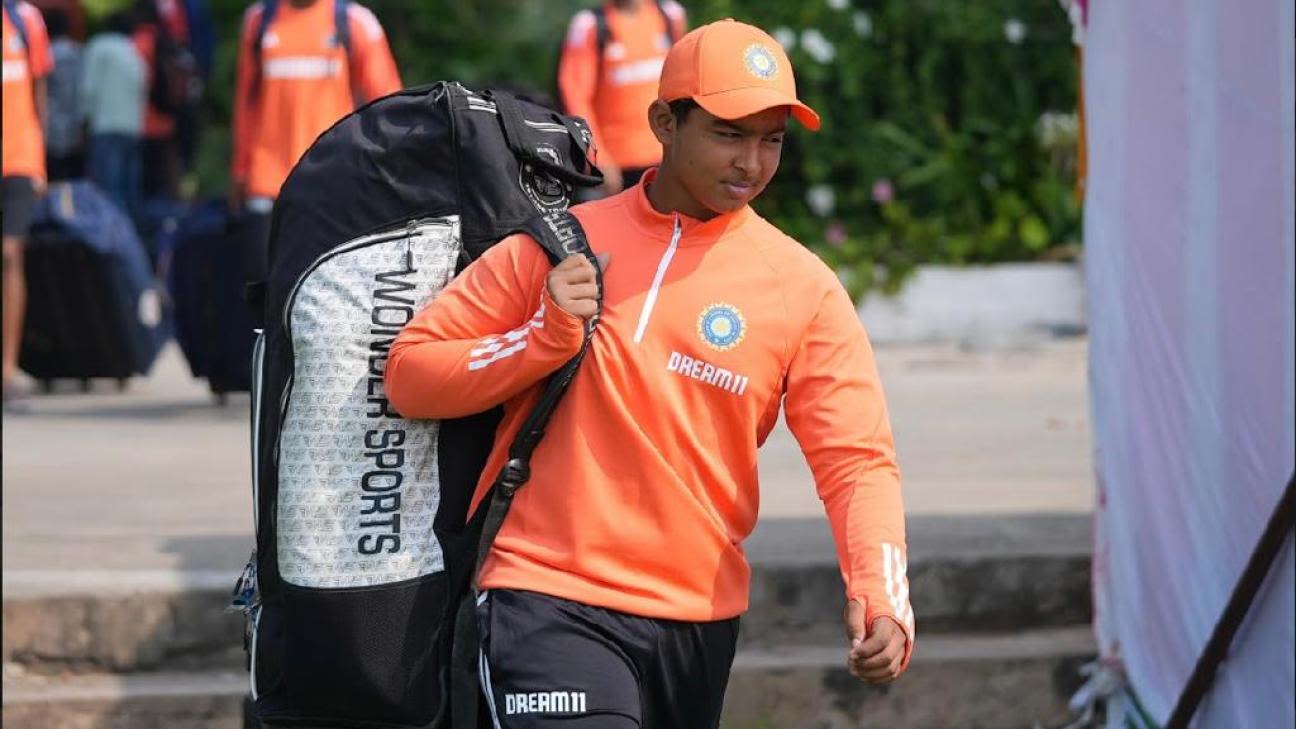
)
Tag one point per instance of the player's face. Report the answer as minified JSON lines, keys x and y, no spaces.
{"x":722,"y":164}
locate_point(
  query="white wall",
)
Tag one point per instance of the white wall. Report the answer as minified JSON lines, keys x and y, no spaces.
{"x":1004,"y":305}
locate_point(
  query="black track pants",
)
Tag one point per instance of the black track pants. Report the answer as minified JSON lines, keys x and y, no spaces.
{"x":549,"y":662}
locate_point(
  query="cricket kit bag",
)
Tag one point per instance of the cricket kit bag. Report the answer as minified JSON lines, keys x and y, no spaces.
{"x":366,"y":552}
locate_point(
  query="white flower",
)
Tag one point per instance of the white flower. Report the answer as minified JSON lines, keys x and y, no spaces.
{"x":786,"y":37}
{"x":1014,"y":30}
{"x":838,"y":4}
{"x":819,"y":47}
{"x":1076,"y":14}
{"x":1056,"y":128}
{"x":821,"y":200}
{"x":863,"y":24}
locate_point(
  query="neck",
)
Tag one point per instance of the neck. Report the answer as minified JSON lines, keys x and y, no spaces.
{"x":667,"y":196}
{"x":301,"y":3}
{"x":626,"y":5}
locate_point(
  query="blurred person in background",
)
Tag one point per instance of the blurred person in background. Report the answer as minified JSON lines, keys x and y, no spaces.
{"x":607,"y":74}
{"x":161,"y":36}
{"x":27,"y":61}
{"x":184,"y":57}
{"x":200,"y":44}
{"x":302,"y":65}
{"x":114,"y":91}
{"x":64,"y":141}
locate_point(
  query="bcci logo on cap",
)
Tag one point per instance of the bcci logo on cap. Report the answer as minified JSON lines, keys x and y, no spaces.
{"x":722,"y":327}
{"x":760,"y":62}
{"x":545,"y":191}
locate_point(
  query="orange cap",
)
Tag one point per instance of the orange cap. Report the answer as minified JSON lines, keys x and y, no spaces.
{"x":732,"y":70}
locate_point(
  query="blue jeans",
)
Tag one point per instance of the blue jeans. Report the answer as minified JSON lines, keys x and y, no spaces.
{"x":114,"y":165}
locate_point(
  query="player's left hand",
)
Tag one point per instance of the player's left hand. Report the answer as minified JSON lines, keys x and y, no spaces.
{"x":877,"y":651}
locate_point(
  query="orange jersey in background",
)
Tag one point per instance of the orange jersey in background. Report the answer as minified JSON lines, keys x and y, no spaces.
{"x":613,"y":94}
{"x":645,"y":485}
{"x":24,"y":141}
{"x":306,"y":82}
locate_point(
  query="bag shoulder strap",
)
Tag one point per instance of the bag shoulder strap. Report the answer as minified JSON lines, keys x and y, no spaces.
{"x":268,"y":8}
{"x":560,"y":234}
{"x":20,"y":25}
{"x":603,"y":33}
{"x":342,"y":26}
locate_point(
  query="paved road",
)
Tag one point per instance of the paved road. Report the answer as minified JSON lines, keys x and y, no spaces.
{"x":155,"y":480}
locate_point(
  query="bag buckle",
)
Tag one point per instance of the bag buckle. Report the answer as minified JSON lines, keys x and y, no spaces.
{"x":516,"y":472}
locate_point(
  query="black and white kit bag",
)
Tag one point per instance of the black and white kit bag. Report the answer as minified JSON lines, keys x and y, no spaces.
{"x":365,"y":549}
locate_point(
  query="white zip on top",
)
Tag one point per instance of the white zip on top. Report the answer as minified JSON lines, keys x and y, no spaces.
{"x":651,"y":299}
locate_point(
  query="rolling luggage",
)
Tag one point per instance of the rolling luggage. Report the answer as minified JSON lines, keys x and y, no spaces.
{"x":358,"y":596}
{"x":214,"y":324}
{"x":94,"y":309}
{"x":156,"y":220}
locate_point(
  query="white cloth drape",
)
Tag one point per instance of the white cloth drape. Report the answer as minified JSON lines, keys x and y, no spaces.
{"x":1190,"y":241}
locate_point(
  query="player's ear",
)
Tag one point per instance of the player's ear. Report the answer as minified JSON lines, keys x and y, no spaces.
{"x":661,"y":121}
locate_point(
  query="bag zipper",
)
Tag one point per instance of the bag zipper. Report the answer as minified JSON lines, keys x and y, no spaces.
{"x":258,"y":360}
{"x":651,"y":300}
{"x":252,"y":667}
{"x":247,"y":591}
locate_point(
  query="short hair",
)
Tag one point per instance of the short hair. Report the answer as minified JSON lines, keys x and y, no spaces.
{"x":56,"y":22}
{"x":680,"y":109}
{"x":121,"y":21}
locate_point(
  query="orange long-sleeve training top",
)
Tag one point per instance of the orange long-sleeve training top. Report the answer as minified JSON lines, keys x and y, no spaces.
{"x":613,"y":93}
{"x":645,"y":485}
{"x":305,"y":83}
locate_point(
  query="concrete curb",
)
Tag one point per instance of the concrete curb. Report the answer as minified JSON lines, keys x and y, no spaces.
{"x":969,"y":574}
{"x":990,"y":682}
{"x":1005,"y":680}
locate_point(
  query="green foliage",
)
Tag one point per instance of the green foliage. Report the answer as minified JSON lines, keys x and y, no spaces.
{"x":928,"y":104}
{"x":926,"y":99}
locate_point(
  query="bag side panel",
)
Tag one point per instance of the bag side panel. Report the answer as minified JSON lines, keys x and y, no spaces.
{"x":359,"y":485}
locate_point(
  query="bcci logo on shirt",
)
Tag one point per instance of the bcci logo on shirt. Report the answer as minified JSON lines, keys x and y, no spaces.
{"x":760,"y":62}
{"x":546,"y":192}
{"x":722,"y":327}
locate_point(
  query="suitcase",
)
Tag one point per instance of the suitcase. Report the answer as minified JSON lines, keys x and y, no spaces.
{"x":214,"y":324}
{"x":156,"y":221}
{"x":94,"y":309}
